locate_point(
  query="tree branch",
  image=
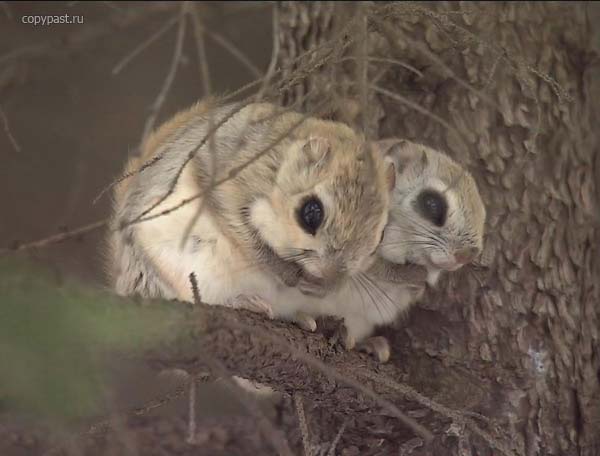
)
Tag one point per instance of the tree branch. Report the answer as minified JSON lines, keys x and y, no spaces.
{"x":295,"y":362}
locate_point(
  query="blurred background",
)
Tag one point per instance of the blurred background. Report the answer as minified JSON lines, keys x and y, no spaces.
{"x":67,"y":122}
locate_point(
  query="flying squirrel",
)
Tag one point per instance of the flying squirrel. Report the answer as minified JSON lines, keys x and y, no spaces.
{"x":436,"y":221}
{"x":275,"y":201}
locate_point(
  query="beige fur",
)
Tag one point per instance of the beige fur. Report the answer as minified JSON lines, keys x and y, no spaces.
{"x":247,"y":238}
{"x":421,"y":167}
{"x":386,"y":292}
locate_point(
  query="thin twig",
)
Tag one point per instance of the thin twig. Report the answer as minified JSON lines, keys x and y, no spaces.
{"x":395,"y":62}
{"x":455,"y":415}
{"x":189,"y":158}
{"x":9,"y":134}
{"x":332,"y":373}
{"x":362,"y":67}
{"x":125,"y":176}
{"x":214,"y":184}
{"x":516,"y":62}
{"x":112,"y":6}
{"x":81,"y":37}
{"x":274,"y":56}
{"x":303,"y":424}
{"x":7,"y":10}
{"x":104,"y":425}
{"x":195,"y":291}
{"x":337,"y":438}
{"x":145,"y":44}
{"x":199,"y":32}
{"x":405,"y":101}
{"x":233,"y":172}
{"x":162,"y":95}
{"x":490,"y":78}
{"x":392,"y":32}
{"x":250,"y":403}
{"x":56,"y":238}
{"x":264,"y":81}
{"x":234,"y":51}
{"x":333,"y":43}
{"x":192,"y":413}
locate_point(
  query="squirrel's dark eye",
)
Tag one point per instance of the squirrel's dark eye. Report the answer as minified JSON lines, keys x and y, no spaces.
{"x":310,"y":215}
{"x":432,"y":205}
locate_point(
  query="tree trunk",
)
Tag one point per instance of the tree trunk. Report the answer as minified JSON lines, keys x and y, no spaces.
{"x":511,"y":90}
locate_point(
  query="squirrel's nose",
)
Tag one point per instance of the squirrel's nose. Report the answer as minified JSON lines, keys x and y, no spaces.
{"x":466,"y":255}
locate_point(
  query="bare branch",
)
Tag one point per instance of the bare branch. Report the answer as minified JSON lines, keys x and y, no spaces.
{"x":104,"y":425}
{"x":456,"y":416}
{"x":396,"y":62}
{"x":362,"y":67}
{"x":112,"y":6}
{"x":125,"y":176}
{"x":233,"y":172}
{"x":145,"y":44}
{"x":515,"y":61}
{"x":54,"y":239}
{"x":249,"y":402}
{"x":303,"y":424}
{"x":337,"y":438}
{"x":391,"y":32}
{"x":278,"y":442}
{"x":493,"y":69}
{"x":274,"y":54}
{"x":192,"y":412}
{"x":405,"y":101}
{"x":82,"y":37}
{"x":189,"y":158}
{"x":9,"y":134}
{"x":334,"y":374}
{"x":162,"y":95}
{"x":263,"y":82}
{"x":234,"y":51}
{"x":199,"y":32}
{"x":7,"y":10}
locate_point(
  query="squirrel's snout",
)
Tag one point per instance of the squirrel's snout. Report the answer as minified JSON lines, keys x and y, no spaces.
{"x":452,"y":262}
{"x":465,"y":255}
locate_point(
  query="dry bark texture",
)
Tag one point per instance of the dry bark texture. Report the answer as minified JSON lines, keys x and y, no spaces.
{"x":517,"y":85}
{"x":527,"y":329}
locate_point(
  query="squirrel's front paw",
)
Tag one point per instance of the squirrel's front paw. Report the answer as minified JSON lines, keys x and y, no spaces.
{"x":377,"y":346}
{"x":312,"y":286}
{"x":254,"y":304}
{"x":305,"y":322}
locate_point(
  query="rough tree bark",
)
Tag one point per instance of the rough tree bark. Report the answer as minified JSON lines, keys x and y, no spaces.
{"x":517,"y":338}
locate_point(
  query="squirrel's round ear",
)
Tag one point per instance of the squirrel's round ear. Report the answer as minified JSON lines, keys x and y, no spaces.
{"x":400,"y":151}
{"x":390,"y":174}
{"x":316,"y":151}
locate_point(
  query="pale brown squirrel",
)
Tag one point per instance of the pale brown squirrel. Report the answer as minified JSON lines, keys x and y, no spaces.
{"x":308,"y":212}
{"x":436,"y":221}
